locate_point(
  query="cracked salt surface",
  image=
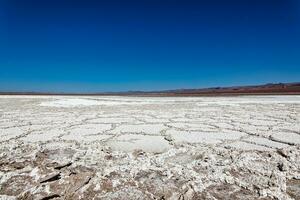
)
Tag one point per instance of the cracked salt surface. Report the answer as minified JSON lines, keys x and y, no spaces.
{"x":156,"y":148}
{"x":204,"y":137}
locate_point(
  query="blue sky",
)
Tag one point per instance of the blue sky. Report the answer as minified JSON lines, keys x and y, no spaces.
{"x":89,"y":46}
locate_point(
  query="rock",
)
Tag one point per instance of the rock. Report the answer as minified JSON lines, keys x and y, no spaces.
{"x":282,"y":152}
{"x":16,"y":185}
{"x":60,"y":166}
{"x":52,"y":196}
{"x":76,"y":182}
{"x":293,"y":188}
{"x":50,"y":177}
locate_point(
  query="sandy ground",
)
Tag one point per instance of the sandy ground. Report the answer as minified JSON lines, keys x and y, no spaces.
{"x":55,"y":147}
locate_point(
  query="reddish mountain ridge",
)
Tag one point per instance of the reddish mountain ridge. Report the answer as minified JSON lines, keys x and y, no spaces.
{"x":266,"y":89}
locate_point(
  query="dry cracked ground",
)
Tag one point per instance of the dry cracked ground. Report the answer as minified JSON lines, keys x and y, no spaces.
{"x":55,"y":147}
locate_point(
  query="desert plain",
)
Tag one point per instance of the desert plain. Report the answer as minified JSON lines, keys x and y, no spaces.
{"x":117,"y":147}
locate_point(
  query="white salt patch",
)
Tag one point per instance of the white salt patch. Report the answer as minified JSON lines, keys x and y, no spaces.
{"x":9,"y":133}
{"x":97,"y":187}
{"x":6,"y":197}
{"x":247,"y":146}
{"x":224,"y":101}
{"x":112,"y":120}
{"x":154,"y":120}
{"x":264,"y":122}
{"x":290,"y":138}
{"x":70,"y":103}
{"x":35,"y":173}
{"x":140,"y":128}
{"x":129,"y":143}
{"x":87,"y":138}
{"x":43,"y":136}
{"x":88,"y":132}
{"x":193,"y":126}
{"x":90,"y":129}
{"x":57,"y":145}
{"x":266,"y":142}
{"x":203,"y":137}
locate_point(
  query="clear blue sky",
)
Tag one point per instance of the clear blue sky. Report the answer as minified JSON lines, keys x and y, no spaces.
{"x":88,"y":46}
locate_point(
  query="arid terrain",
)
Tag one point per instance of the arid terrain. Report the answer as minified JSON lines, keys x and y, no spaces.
{"x":89,"y":147}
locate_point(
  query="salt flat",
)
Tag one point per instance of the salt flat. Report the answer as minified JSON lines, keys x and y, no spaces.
{"x":89,"y":147}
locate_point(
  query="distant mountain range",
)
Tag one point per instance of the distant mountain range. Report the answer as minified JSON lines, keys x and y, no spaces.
{"x":266,"y":89}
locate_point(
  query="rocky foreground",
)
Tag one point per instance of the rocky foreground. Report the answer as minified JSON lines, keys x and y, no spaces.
{"x":149,"y":148}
